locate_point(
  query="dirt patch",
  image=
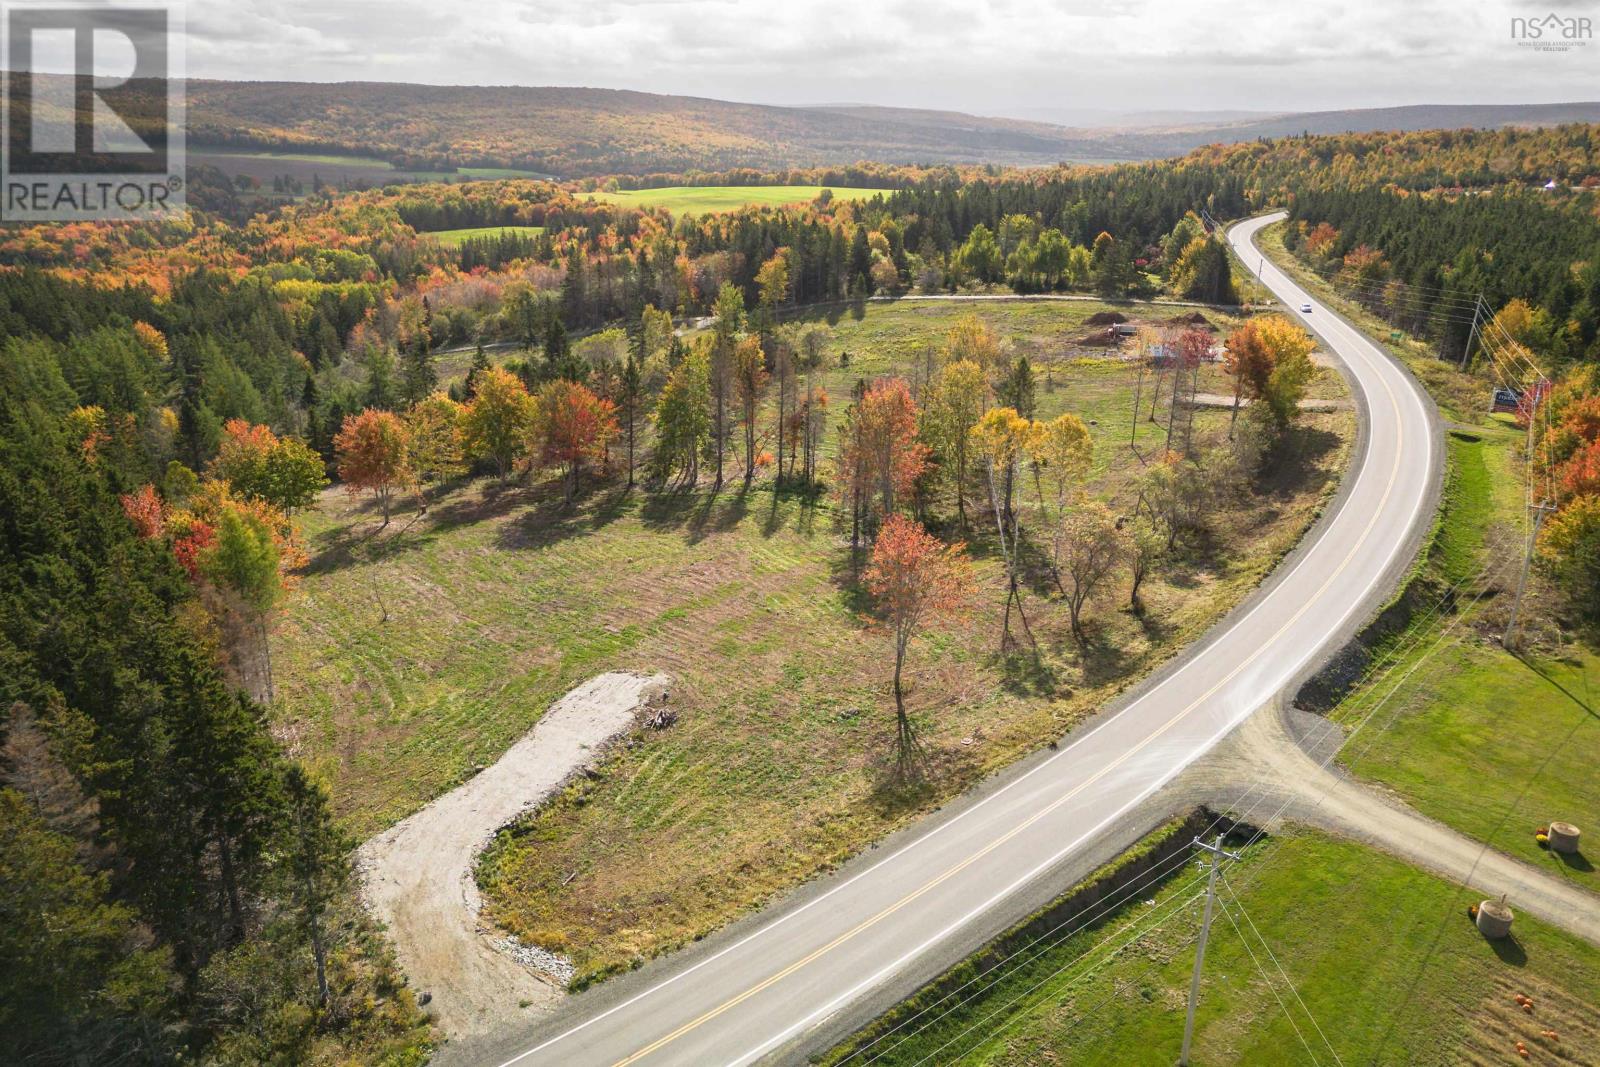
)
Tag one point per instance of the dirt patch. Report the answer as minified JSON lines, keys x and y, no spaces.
{"x":417,"y":875}
{"x":1105,"y":318}
{"x":1197,"y":320}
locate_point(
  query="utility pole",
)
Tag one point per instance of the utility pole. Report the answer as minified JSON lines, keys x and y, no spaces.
{"x":1539,"y":511}
{"x":1477,"y":310}
{"x":1218,"y":853}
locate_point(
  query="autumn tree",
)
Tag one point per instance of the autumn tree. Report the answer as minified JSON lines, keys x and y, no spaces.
{"x":980,"y":257}
{"x":913,"y":577}
{"x":1202,"y":272}
{"x":1000,"y":439}
{"x":495,"y":425}
{"x":434,"y":427}
{"x":750,"y":379}
{"x":244,"y":563}
{"x":812,"y":343}
{"x":1146,"y":546}
{"x":683,"y":424}
{"x":1249,"y":362}
{"x":571,"y":426}
{"x":783,"y":369}
{"x":373,"y":450}
{"x":882,"y":456}
{"x":1188,"y":351}
{"x":1061,"y":451}
{"x":955,"y":403}
{"x":1570,"y":548}
{"x":970,"y":338}
{"x":259,"y":465}
{"x":1091,"y":548}
{"x":1175,"y":491}
{"x":1292,"y":369}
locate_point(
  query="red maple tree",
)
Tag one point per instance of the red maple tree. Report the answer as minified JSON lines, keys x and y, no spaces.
{"x":572,"y":426}
{"x":914,"y":576}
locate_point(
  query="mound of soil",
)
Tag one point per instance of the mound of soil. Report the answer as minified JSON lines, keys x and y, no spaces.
{"x":1105,"y":318}
{"x":1197,"y":320}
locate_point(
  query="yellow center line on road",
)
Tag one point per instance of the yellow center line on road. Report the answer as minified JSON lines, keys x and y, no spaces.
{"x":865,"y":924}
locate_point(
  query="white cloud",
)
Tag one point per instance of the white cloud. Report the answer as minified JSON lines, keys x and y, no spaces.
{"x":990,"y":56}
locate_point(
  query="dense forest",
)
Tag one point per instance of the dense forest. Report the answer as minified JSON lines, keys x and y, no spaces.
{"x":171,"y":394}
{"x":171,"y":870}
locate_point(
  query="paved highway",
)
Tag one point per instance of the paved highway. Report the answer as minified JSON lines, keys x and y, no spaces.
{"x":754,"y":997}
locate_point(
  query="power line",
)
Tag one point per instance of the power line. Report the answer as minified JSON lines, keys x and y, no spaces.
{"x":1270,"y":986}
{"x":1286,"y":979}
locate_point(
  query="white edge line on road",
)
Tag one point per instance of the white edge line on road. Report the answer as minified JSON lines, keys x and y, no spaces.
{"x":921,"y":839}
{"x":846,"y":997}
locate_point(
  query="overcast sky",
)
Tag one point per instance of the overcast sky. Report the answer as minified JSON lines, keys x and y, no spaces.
{"x":1014,"y":57}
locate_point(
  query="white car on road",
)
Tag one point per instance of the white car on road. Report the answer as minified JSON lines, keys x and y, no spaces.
{"x":1305,"y":309}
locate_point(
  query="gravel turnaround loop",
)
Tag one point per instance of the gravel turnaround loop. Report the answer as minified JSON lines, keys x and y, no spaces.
{"x":417,"y":875}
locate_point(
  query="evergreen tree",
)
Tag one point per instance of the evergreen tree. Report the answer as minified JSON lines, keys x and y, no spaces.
{"x":1018,"y":390}
{"x":480,"y":363}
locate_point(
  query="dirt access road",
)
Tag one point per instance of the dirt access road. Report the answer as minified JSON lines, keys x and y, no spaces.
{"x":417,"y":875}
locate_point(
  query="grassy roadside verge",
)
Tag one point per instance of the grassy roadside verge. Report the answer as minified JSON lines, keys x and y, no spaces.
{"x":1430,"y":990}
{"x":1490,"y":743}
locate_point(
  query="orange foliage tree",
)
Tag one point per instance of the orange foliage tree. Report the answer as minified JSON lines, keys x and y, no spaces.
{"x":374,"y":455}
{"x":1249,"y":361}
{"x":881,"y":456}
{"x":572,"y":426}
{"x":913,"y":576}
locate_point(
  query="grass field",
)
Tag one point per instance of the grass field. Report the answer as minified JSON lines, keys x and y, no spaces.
{"x":453,"y":238}
{"x":701,"y":199}
{"x":1491,"y":743}
{"x":1379,"y":957}
{"x":500,"y":600}
{"x":1488,"y":742}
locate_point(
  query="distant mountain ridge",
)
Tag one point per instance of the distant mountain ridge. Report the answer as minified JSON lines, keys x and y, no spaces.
{"x":577,"y":132}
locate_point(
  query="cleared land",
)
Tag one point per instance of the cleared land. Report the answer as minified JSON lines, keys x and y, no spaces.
{"x":499,"y":600}
{"x":1431,"y":990}
{"x":706,"y":198}
{"x":453,"y":238}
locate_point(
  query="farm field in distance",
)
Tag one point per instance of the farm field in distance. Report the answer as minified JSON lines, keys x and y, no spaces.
{"x":453,"y":238}
{"x":499,"y":600}
{"x":708,"y":198}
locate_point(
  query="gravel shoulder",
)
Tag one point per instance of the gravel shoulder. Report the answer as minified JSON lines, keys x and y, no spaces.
{"x":417,"y":875}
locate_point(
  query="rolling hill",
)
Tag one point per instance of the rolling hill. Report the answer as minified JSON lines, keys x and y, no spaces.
{"x":577,"y":132}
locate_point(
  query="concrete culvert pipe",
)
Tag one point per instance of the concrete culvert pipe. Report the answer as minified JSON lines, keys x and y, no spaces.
{"x":1564,"y":838}
{"x":1494,"y":919}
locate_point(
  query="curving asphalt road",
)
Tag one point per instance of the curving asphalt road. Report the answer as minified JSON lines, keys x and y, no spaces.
{"x":760,"y":993}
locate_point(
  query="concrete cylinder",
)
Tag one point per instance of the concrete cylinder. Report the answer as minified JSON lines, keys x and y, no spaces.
{"x":1564,"y":838}
{"x":1494,"y":919}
